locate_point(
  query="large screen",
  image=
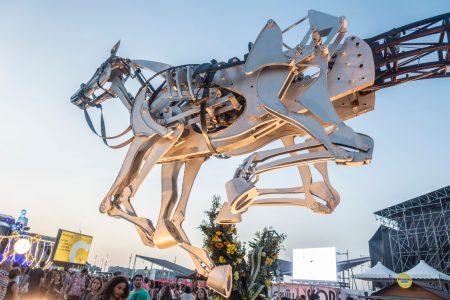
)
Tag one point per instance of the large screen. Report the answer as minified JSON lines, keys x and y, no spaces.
{"x":314,"y":264}
{"x":72,"y":247}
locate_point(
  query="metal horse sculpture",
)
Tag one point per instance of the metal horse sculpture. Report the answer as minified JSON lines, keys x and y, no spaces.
{"x":235,"y":108}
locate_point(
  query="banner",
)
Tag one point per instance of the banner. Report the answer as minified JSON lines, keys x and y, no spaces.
{"x":72,"y":247}
{"x":304,"y":291}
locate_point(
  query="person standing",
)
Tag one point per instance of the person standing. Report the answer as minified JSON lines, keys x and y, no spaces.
{"x":5,"y":267}
{"x":34,"y":281}
{"x":23,"y":286}
{"x":146,"y":285}
{"x":55,"y":291}
{"x":94,"y":290}
{"x":166,"y":293}
{"x":139,"y":293}
{"x":47,"y":284}
{"x":117,"y":288}
{"x":201,"y":294}
{"x":187,"y":295}
{"x":12,"y":291}
{"x":76,"y":286}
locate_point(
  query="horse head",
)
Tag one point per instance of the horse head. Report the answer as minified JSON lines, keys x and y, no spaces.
{"x":110,"y":69}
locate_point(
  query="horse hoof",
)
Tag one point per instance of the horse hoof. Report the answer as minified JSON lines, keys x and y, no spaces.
{"x":220,"y":280}
{"x":166,"y":235}
{"x":225,"y":215}
{"x":105,"y":206}
{"x":240,"y":194}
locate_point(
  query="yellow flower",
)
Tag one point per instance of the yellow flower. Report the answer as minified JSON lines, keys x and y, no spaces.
{"x":216,"y":239}
{"x":236,"y":275}
{"x":238,"y":261}
{"x":222,"y":259}
{"x":267,"y":283}
{"x":269,"y":261}
{"x":209,"y":249}
{"x":231,"y":248}
{"x":218,"y":233}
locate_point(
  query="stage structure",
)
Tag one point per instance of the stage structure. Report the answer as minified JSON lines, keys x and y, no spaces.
{"x":183,"y":115}
{"x":27,"y":249}
{"x":414,"y":230}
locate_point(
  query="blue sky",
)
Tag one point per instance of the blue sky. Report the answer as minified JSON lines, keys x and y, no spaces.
{"x":53,"y":166}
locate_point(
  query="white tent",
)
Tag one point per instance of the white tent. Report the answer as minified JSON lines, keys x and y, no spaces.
{"x":377,"y":272}
{"x":425,"y":271}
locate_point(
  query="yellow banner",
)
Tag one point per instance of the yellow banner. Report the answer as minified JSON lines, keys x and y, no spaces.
{"x":72,"y":247}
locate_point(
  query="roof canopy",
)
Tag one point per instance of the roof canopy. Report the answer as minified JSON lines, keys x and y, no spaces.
{"x":425,"y":271}
{"x":168,"y":265}
{"x":430,"y":201}
{"x":377,"y":272}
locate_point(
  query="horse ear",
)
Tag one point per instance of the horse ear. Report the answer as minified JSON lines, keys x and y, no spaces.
{"x":115,"y":48}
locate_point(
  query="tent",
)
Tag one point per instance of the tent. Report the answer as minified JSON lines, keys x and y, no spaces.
{"x":426,"y":272}
{"x":376,"y":273}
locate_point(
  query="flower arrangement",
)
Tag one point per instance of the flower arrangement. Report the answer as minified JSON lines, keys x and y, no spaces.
{"x":252,"y":271}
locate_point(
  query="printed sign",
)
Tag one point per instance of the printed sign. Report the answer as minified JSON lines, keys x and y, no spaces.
{"x":304,"y":291}
{"x":72,"y":247}
{"x":404,"y":280}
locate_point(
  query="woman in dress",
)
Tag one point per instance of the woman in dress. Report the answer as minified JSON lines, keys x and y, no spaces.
{"x":12,"y":290}
{"x":94,"y":290}
{"x":57,"y":287}
{"x":53,"y":286}
{"x":47,"y":284}
{"x":117,"y":288}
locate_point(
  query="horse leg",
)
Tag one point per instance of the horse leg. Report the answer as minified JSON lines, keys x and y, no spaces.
{"x":169,"y":232}
{"x":304,"y":171}
{"x":150,"y":157}
{"x":219,"y":277}
{"x":327,"y":191}
{"x":319,"y":189}
{"x":164,"y":232}
{"x":242,"y":192}
{"x":131,"y":162}
{"x":190,"y":173}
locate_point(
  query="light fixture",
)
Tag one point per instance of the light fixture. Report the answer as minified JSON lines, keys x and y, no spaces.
{"x":22,"y":246}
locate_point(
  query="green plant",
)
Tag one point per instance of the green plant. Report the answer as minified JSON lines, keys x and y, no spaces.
{"x":252,"y":271}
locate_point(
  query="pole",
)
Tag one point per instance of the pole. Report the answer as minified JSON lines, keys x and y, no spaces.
{"x":134,"y":266}
{"x":106,"y":261}
{"x":129,"y":264}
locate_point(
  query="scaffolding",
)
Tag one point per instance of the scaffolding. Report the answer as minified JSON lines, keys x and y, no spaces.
{"x":417,"y":229}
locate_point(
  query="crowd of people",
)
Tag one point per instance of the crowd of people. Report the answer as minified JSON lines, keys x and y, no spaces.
{"x":18,"y":283}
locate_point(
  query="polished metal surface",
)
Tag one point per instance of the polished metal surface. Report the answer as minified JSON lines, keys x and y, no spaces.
{"x":182,"y":115}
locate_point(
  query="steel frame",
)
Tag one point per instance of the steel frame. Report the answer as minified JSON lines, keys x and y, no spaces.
{"x":415,"y":51}
{"x":419,"y":229}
